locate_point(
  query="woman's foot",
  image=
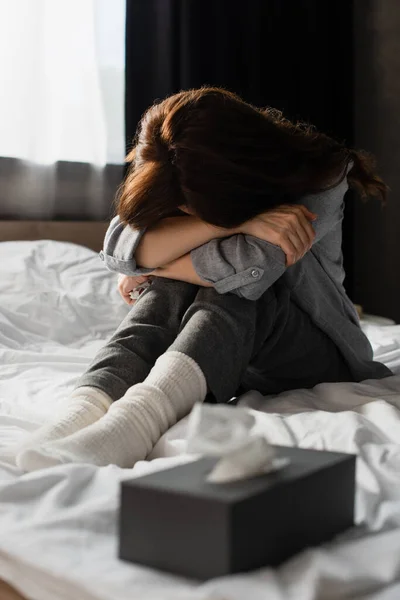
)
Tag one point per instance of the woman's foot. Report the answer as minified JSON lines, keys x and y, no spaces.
{"x":86,"y":405}
{"x":117,"y":438}
{"x":132,"y":425}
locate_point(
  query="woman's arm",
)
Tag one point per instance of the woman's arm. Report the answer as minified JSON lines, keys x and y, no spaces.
{"x":247,"y":265}
{"x":174,"y":237}
{"x":182,"y":269}
{"x":287,"y":227}
{"x":134,"y":252}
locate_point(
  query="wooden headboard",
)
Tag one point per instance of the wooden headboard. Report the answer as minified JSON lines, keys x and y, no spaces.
{"x":85,"y":233}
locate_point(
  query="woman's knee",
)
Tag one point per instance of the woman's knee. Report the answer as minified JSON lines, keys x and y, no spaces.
{"x":228,"y":314}
{"x":172,"y":286}
{"x":165,"y":296}
{"x":227,"y":303}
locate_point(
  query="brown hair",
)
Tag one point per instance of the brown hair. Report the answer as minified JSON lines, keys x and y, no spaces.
{"x":228,"y":161}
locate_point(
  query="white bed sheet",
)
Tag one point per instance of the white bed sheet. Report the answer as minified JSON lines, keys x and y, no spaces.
{"x":58,"y":526}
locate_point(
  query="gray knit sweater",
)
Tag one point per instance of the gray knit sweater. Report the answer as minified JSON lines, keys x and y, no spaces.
{"x":247,"y":266}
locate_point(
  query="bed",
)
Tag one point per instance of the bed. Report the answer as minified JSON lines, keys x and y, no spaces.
{"x":58,"y":305}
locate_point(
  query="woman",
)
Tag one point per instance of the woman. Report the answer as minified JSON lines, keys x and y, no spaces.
{"x":246,"y":293}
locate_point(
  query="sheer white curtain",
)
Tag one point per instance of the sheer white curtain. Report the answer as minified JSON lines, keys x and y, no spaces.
{"x":62,"y":68}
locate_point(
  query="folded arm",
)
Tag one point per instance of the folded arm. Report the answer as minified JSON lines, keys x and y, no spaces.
{"x":248,"y":266}
{"x":193,"y":251}
{"x":182,"y":269}
{"x":139,"y":252}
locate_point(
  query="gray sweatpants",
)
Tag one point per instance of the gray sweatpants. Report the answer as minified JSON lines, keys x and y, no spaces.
{"x":269,"y":345}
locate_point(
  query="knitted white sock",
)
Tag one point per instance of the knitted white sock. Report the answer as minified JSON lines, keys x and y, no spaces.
{"x":85,"y":406}
{"x":133,"y":424}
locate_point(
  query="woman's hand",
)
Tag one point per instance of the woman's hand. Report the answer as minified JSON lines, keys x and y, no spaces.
{"x":287,"y":226}
{"x":127,"y":284}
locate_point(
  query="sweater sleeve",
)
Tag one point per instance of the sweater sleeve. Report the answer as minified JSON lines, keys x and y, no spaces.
{"x":248,"y":266}
{"x":119,"y":249}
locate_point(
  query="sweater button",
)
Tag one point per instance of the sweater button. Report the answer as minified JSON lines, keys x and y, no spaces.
{"x":255,"y":273}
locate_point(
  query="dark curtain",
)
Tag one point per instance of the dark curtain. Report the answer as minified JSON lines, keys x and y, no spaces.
{"x":295,"y":55}
{"x":377,"y":128}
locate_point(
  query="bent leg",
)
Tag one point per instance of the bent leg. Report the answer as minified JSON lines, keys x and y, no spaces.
{"x":145,"y":333}
{"x":221,"y":339}
{"x":269,"y":345}
{"x":218,"y":333}
{"x":296,"y":354}
{"x":211,"y":350}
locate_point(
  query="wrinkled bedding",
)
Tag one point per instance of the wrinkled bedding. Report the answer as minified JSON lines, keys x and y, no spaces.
{"x":58,"y":305}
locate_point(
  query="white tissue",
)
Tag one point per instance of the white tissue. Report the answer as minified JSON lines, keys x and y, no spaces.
{"x":226,"y":431}
{"x":216,"y":430}
{"x":134,"y":294}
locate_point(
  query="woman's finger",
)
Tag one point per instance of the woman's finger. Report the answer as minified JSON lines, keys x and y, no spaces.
{"x":285,"y":234}
{"x":126,"y":284}
{"x":306,"y":231}
{"x":128,"y":299}
{"x":298,"y":243}
{"x":287,"y":227}
{"x":307,"y":213}
{"x":306,"y":224}
{"x":123,"y":292}
{"x":298,"y":222}
{"x":285,"y":242}
{"x":298,"y":233}
{"x":299,"y":252}
{"x":141,"y":279}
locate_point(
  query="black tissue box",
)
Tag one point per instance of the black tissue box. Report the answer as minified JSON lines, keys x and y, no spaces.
{"x":176,"y":521}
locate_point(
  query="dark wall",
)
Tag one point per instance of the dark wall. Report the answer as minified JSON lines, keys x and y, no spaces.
{"x":377,"y":128}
